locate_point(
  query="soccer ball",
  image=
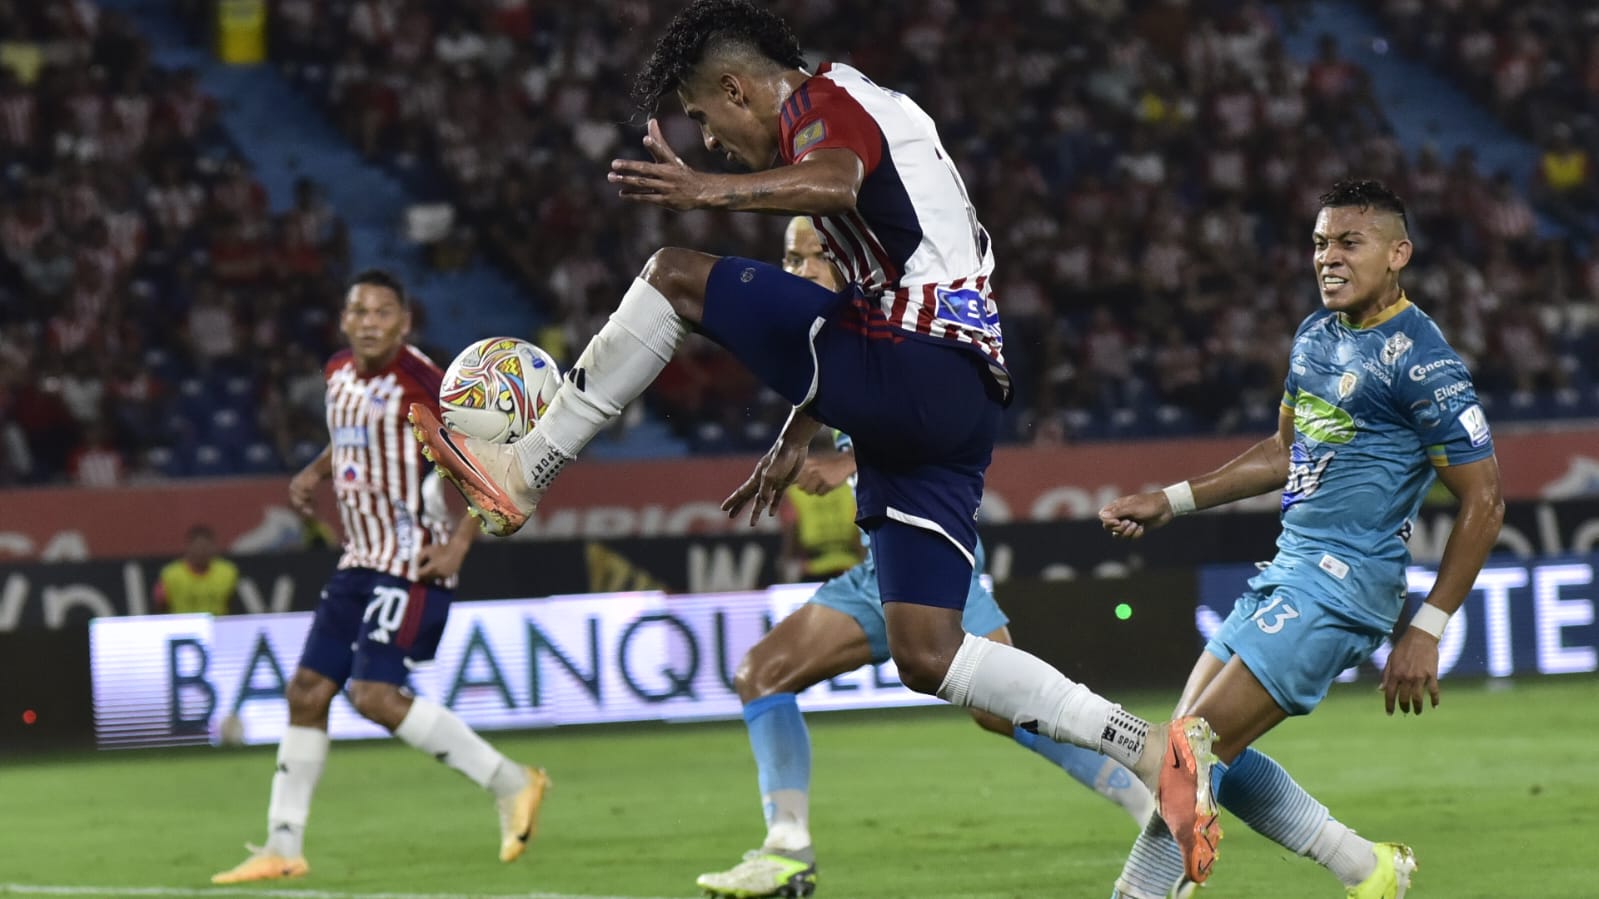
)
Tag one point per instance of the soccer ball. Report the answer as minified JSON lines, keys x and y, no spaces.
{"x":497,"y":388}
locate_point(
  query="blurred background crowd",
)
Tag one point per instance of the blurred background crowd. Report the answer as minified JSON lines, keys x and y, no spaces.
{"x":1148,"y":168}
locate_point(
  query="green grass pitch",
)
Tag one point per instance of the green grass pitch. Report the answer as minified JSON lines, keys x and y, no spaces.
{"x":1498,"y":790}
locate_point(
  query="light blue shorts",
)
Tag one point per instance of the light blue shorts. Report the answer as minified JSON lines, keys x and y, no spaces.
{"x":855,"y":594}
{"x":1294,"y":640}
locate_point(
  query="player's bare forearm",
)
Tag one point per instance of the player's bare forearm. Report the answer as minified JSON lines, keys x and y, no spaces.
{"x":321,"y":467}
{"x":799,"y":430}
{"x":1260,"y":469}
{"x":825,"y":183}
{"x":1482,"y":511}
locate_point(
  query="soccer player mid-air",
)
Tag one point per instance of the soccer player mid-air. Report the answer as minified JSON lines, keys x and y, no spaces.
{"x":385,"y":607}
{"x":906,"y":359}
{"x":1376,"y":403}
{"x":840,"y":629}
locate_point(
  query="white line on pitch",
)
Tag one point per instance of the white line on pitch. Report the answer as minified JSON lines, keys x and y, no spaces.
{"x":29,"y":889}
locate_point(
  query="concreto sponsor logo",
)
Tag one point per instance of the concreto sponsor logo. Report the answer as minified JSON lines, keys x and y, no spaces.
{"x":1420,"y":372}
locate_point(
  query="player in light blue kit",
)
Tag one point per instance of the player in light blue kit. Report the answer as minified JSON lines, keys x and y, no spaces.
{"x":1375,"y":405}
{"x":839,"y":630}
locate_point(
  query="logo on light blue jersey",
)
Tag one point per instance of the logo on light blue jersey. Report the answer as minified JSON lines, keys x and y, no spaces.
{"x":1304,"y":473}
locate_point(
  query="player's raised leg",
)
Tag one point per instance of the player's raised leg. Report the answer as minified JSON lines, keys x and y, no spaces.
{"x":816,"y":642}
{"x":503,"y":484}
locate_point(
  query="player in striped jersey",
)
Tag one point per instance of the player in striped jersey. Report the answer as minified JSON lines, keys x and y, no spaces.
{"x":907,"y":359}
{"x":840,"y":629}
{"x":384,"y":608}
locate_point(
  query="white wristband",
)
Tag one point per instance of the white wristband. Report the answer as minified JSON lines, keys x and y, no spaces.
{"x":1431,"y":620}
{"x":1181,"y":498}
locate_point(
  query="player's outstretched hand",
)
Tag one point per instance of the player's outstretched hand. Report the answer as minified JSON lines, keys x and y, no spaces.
{"x":1129,"y":516}
{"x":668,"y":181}
{"x":776,"y":470}
{"x":1412,"y":670}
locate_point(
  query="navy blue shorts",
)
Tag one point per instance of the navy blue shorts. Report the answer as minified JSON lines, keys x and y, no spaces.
{"x":923,"y":413}
{"x":374,"y":626}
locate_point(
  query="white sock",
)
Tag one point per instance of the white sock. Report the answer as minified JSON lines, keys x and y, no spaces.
{"x":301,"y":755}
{"x":617,"y":365}
{"x":1342,"y":851}
{"x":787,"y":826}
{"x":1005,"y":681}
{"x":437,"y":731}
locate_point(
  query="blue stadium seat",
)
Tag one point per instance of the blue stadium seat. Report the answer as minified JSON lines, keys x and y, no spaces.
{"x":302,"y":453}
{"x":162,"y":460}
{"x":208,"y":461}
{"x":259,"y":458}
{"x":194,"y":399}
{"x":239,"y":394}
{"x":230,"y":431}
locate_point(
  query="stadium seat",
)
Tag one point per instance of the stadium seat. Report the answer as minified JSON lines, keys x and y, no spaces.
{"x":208,"y":461}
{"x":163,"y":461}
{"x":259,"y":458}
{"x":230,"y":431}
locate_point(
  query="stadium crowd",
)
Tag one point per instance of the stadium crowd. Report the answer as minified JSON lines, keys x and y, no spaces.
{"x":1535,"y":63}
{"x":1149,"y":177}
{"x":1148,"y":169}
{"x":155,"y":317}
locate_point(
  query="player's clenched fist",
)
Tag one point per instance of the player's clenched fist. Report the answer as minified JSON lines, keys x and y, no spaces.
{"x":1129,"y":516}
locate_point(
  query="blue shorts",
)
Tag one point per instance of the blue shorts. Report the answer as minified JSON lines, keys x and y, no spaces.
{"x":924,"y":414}
{"x":855,"y":594}
{"x":374,"y":626}
{"x":1294,"y":641}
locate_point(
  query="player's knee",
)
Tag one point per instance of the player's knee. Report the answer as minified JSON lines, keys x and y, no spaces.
{"x":761,"y":674}
{"x":377,"y":702}
{"x":920,"y":668}
{"x":309,"y":694}
{"x":680,"y":277}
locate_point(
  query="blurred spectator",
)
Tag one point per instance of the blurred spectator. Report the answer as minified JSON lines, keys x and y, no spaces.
{"x":199,"y":582}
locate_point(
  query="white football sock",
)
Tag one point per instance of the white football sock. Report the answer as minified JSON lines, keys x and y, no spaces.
{"x":1154,"y":866}
{"x":1032,"y":695}
{"x":301,"y":755}
{"x":437,"y":731}
{"x":617,"y":365}
{"x":786,"y":825}
{"x":1346,"y":854}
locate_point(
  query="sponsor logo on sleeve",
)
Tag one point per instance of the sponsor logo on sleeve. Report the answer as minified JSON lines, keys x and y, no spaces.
{"x":809,"y":136}
{"x":1346,"y":384}
{"x":1419,"y":373}
{"x":1476,"y":425}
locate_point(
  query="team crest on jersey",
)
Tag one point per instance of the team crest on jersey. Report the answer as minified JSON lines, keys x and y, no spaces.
{"x":1346,"y":385}
{"x":809,"y":136}
{"x":1396,"y":348}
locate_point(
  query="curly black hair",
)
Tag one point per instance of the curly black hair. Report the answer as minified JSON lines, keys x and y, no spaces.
{"x":710,"y":25}
{"x":1364,"y":193}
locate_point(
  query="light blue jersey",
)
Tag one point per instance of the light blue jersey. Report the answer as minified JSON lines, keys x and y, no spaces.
{"x":1376,"y":410}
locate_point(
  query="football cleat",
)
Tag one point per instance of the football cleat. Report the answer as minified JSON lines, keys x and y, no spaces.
{"x":1184,"y":798}
{"x":489,"y":475}
{"x":1391,"y":880}
{"x":263,"y":865}
{"x":764,"y":873}
{"x":519,"y":815}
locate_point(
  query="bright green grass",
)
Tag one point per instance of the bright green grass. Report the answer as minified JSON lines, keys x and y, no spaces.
{"x":1498,"y":790}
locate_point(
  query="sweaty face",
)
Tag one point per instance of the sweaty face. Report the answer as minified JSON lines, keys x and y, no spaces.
{"x":1359,"y":253}
{"x":803,"y":256}
{"x":728,"y":126}
{"x":375,"y":321}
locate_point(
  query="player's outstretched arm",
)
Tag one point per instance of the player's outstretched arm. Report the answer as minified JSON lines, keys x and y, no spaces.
{"x":825,"y":182}
{"x":1259,"y":469}
{"x":1413,"y":665}
{"x":776,"y":470}
{"x":302,"y":487}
